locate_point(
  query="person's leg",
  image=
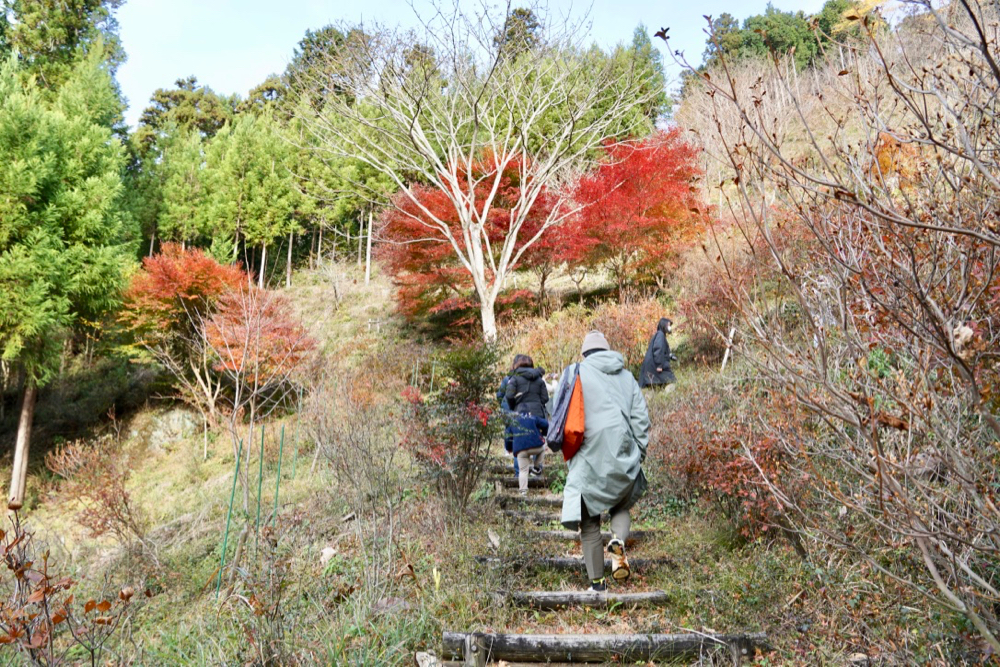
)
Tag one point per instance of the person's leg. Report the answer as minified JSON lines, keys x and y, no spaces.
{"x":540,"y":460}
{"x":593,"y":547}
{"x":517,"y":468}
{"x":523,"y":465}
{"x":621,"y":524}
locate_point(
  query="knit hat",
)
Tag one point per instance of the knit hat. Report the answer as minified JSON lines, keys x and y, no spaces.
{"x":595,"y":340}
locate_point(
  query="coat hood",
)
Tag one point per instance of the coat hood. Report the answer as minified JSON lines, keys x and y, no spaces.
{"x":530,"y":373}
{"x":606,"y":361}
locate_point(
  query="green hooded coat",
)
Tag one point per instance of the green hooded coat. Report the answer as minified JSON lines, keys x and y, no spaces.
{"x":606,"y":472}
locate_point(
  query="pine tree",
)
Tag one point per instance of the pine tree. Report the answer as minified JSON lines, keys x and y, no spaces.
{"x":63,"y":250}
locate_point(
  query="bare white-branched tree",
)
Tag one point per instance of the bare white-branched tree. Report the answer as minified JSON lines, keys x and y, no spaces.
{"x":885,"y":324}
{"x":465,"y":102}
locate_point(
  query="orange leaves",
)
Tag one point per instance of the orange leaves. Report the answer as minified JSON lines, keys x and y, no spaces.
{"x":255,"y":335}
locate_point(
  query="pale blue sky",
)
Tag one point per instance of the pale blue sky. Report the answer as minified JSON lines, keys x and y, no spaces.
{"x":232,"y":45}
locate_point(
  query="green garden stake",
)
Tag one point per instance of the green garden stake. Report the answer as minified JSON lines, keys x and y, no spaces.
{"x":260,"y":482}
{"x":298,"y":418}
{"x":277,"y":484}
{"x":229,"y":516}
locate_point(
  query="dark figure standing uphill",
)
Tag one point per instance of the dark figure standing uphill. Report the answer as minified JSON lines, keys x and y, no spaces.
{"x":656,"y":371}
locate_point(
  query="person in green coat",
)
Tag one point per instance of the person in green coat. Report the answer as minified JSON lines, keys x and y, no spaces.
{"x":606,"y":474}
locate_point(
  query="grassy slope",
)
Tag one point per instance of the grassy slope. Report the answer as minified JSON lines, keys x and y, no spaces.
{"x":376,"y":601}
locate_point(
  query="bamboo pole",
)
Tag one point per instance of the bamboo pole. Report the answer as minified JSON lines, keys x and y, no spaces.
{"x":277,"y":484}
{"x":260,"y":483}
{"x":229,"y":517}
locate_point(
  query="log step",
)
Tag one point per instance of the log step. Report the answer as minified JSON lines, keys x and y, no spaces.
{"x":557,"y":563}
{"x":634,"y":536}
{"x":544,"y":501}
{"x":539,"y":518}
{"x":512,"y":483}
{"x":560,"y":599}
{"x":479,"y":648}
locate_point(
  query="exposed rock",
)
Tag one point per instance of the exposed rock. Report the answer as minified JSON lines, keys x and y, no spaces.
{"x":168,"y":427}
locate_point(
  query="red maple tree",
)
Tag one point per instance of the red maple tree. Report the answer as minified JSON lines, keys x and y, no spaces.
{"x":640,"y":208}
{"x":256,"y":338}
{"x":166,"y":307}
{"x":175,"y":291}
{"x":431,"y":280}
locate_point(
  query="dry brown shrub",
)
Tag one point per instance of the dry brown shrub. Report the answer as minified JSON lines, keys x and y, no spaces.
{"x":95,"y":476}
{"x":554,"y":342}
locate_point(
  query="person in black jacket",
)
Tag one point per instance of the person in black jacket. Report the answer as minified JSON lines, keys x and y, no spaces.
{"x":526,"y":391}
{"x":527,"y":394}
{"x":656,"y":371}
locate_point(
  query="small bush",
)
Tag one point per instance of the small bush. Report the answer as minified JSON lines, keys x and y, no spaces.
{"x":450,"y":431}
{"x":713,"y":445}
{"x":554,"y":342}
{"x":94,"y":477}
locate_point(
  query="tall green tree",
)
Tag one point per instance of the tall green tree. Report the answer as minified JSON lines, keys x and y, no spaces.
{"x":63,"y":236}
{"x":252,"y":194}
{"x":172,"y":115}
{"x":650,"y":63}
{"x":519,"y":33}
{"x":188,"y":106}
{"x":51,"y":36}
{"x":181,"y":211}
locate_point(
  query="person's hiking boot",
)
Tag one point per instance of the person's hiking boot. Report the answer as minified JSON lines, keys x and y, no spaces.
{"x":620,"y":570}
{"x":598,"y":586}
{"x":535,"y":471}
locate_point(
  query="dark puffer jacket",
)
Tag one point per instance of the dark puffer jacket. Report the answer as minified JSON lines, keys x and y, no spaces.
{"x":526,"y":391}
{"x":657,"y":356}
{"x":525,"y":432}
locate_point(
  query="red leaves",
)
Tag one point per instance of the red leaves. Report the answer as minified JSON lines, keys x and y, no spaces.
{"x":175,"y":289}
{"x":639,"y":206}
{"x":425,"y":266}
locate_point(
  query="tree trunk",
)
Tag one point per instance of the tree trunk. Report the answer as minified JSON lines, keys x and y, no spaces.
{"x":288,"y":261}
{"x":368,"y":252}
{"x":263,"y":265}
{"x":319,"y":249}
{"x":489,"y":319}
{"x":633,"y":536}
{"x":566,"y":563}
{"x":19,"y":470}
{"x":152,"y":242}
{"x":361,"y":238}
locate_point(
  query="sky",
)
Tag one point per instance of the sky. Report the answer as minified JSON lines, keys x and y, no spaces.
{"x":232,"y":45}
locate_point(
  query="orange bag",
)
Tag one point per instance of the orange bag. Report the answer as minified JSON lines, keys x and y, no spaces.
{"x":575,"y":422}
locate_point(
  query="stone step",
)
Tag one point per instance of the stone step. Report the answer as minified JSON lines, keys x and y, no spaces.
{"x":559,"y":599}
{"x":538,"y":500}
{"x":512,"y":483}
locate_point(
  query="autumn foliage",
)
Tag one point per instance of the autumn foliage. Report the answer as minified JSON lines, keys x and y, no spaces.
{"x":430,"y":279}
{"x":255,"y":335}
{"x":175,"y":289}
{"x":640,"y":209}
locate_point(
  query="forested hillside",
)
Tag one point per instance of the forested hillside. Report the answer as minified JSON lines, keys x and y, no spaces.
{"x":251,"y":348}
